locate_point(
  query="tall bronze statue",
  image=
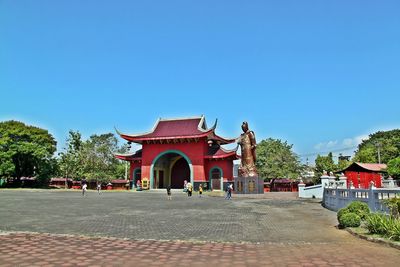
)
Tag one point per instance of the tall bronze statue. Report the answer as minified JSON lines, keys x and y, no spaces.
{"x":247,"y":142}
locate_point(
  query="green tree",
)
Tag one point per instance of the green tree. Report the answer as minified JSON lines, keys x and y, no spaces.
{"x":393,"y":168}
{"x":97,"y":158}
{"x":70,"y":159}
{"x":26,"y":151}
{"x":275,"y":159}
{"x":342,"y":164}
{"x":387,"y":142}
{"x":324,"y":163}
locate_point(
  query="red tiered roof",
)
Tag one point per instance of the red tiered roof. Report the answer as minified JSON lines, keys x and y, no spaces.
{"x":165,"y":129}
{"x":219,"y":152}
{"x":373,"y":167}
{"x":137,"y":156}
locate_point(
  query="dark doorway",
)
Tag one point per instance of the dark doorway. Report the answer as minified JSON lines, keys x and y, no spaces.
{"x":137,"y":176}
{"x":161,"y":179}
{"x":179,"y":173}
{"x":216,"y":179}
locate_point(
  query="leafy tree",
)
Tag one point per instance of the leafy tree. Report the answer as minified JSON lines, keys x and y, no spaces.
{"x":70,"y":159}
{"x":324,"y":163}
{"x":97,"y":158}
{"x":275,"y":159}
{"x":388,"y":143}
{"x":92,"y":159}
{"x":342,"y":164}
{"x":393,"y":168}
{"x":26,"y":151}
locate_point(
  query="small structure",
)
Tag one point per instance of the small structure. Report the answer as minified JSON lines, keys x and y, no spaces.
{"x":389,"y":183}
{"x":120,"y":184}
{"x":76,"y":184}
{"x":61,"y":182}
{"x":28,"y":181}
{"x":283,"y":185}
{"x":360,"y":175}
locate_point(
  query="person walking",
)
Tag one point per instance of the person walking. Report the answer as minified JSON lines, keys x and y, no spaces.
{"x":227,"y":191}
{"x":169,"y":192}
{"x":200,"y":190}
{"x":189,"y":189}
{"x":99,"y":188}
{"x":84,"y":188}
{"x":185,"y":185}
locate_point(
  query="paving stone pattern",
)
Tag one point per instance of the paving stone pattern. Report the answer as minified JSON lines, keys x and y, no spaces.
{"x":149,"y":215}
{"x":130,"y":229}
{"x":51,"y":250}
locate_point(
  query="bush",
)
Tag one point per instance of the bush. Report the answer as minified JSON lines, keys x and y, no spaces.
{"x":394,"y":206}
{"x":349,"y":219}
{"x":341,"y":212}
{"x":383,"y":225}
{"x":359,"y":208}
{"x":394,"y":232}
{"x":376,"y":223}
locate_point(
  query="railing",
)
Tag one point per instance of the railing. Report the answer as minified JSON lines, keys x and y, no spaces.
{"x":312,"y":187}
{"x":335,"y":199}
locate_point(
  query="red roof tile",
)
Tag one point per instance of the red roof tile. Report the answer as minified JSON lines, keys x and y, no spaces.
{"x":372,"y":166}
{"x":219,"y":152}
{"x":131,"y":156}
{"x":180,"y":127}
{"x":172,"y":129}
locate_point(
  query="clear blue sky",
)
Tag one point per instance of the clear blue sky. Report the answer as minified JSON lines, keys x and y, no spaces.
{"x":320,"y":74}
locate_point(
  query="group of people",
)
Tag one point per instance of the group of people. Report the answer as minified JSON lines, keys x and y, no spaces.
{"x":188,"y":188}
{"x":84,"y":188}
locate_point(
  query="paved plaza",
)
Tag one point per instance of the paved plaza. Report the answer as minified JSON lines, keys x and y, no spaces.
{"x":62,"y":228}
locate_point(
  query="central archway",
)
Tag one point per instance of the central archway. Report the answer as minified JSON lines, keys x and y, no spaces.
{"x":170,"y":167}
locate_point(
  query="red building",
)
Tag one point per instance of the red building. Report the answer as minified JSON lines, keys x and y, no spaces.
{"x":176,"y":150}
{"x":362,"y":174}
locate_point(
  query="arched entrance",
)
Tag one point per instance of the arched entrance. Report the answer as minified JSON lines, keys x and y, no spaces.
{"x":215,"y":178}
{"x":137,"y":175}
{"x":171,"y":167}
{"x":179,"y":173}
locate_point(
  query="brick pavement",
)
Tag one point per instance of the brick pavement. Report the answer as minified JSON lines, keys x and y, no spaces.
{"x":114,"y":230}
{"x":25,"y":249}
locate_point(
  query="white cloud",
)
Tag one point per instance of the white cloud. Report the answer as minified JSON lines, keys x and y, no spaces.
{"x":347,"y":143}
{"x":331,"y":144}
{"x":319,"y":146}
{"x":326,"y":145}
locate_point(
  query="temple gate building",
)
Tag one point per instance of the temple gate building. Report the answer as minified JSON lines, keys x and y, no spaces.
{"x":182,"y":149}
{"x":362,"y":174}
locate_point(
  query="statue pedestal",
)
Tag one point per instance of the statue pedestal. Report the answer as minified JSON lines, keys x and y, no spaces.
{"x":249,"y":185}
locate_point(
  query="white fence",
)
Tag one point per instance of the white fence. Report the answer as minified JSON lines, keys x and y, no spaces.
{"x":335,"y":199}
{"x":315,"y":191}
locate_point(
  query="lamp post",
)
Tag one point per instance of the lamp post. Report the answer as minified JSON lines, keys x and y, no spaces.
{"x":126,"y":170}
{"x":126,"y":162}
{"x":378,"y":146}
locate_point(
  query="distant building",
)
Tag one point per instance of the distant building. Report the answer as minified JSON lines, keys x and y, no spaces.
{"x":362,"y":174}
{"x":344,"y":158}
